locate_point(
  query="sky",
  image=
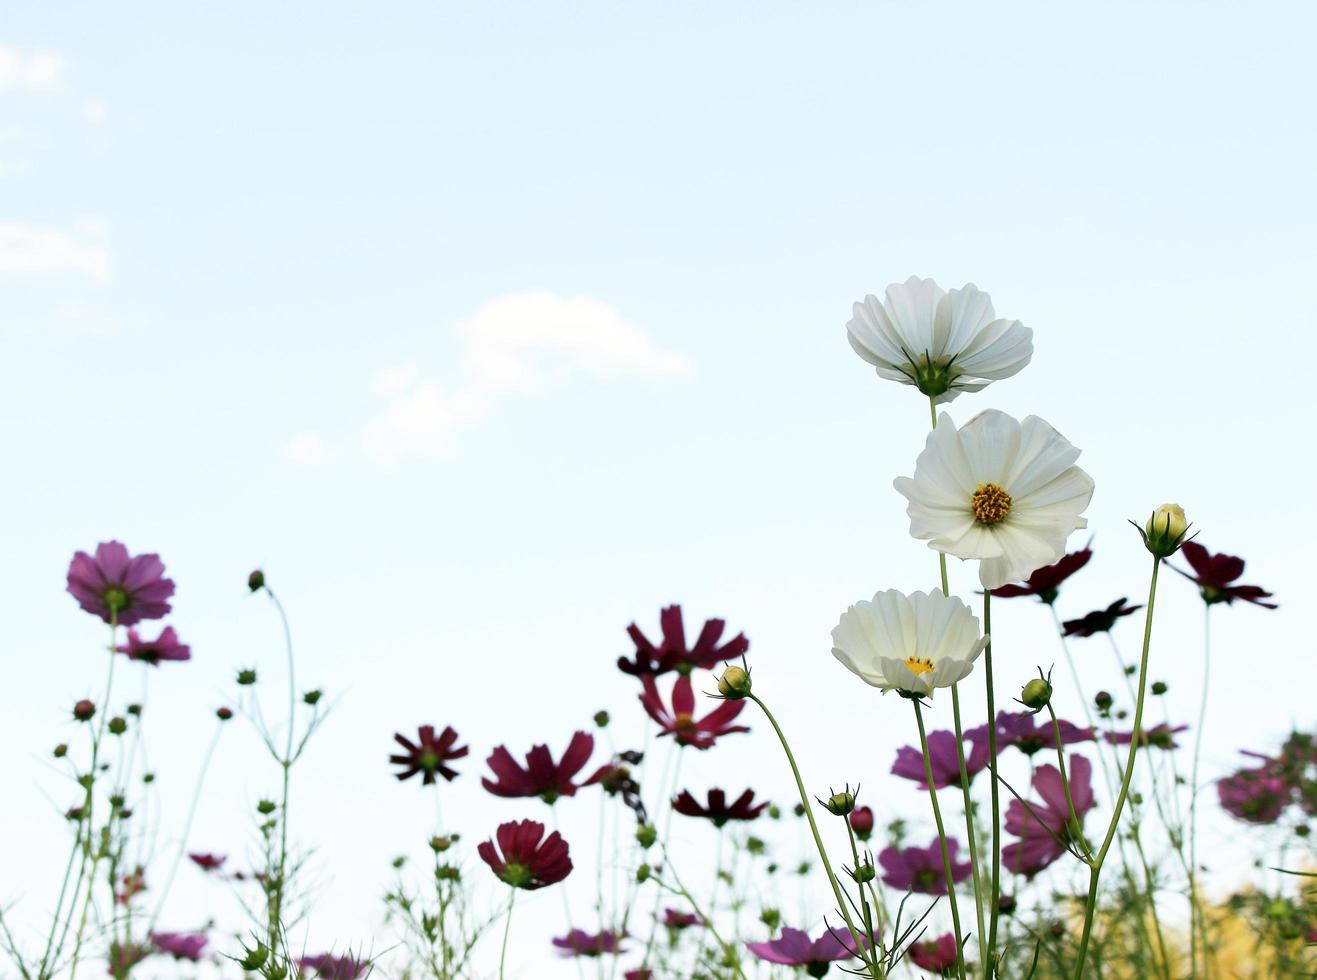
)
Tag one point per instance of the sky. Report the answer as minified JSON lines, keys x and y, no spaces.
{"x":488,"y":329}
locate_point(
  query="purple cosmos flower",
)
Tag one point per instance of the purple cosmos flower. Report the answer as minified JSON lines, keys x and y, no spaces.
{"x":719,"y":811}
{"x":1037,"y":847}
{"x":942,"y":757}
{"x":919,"y":869}
{"x":1045,"y":582}
{"x":1022,"y":730}
{"x":641,"y":974}
{"x":330,"y":967}
{"x":1215,"y":575}
{"x":676,"y":920}
{"x":795,"y":948}
{"x":673,"y":654}
{"x":163,"y":647}
{"x":115,"y":582}
{"x":541,"y":776}
{"x":938,"y":955}
{"x":1258,"y":795}
{"x":1098,"y":621}
{"x":1158,"y":736}
{"x":578,"y":942}
{"x":180,"y":945}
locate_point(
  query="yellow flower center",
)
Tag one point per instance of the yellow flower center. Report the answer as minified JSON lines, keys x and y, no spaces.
{"x":684,"y":723}
{"x":990,"y":504}
{"x":919,"y":665}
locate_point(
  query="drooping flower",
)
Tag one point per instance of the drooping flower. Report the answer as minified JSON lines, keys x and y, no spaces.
{"x":795,"y":948}
{"x":208,"y":862}
{"x":1038,"y":846}
{"x":163,"y":647}
{"x":1215,"y":575}
{"x":541,"y":776}
{"x":428,"y":755}
{"x":578,"y":942}
{"x":327,"y":966}
{"x":1045,"y":582}
{"x":919,"y":869}
{"x":1023,"y":730}
{"x":676,"y":920}
{"x":1257,"y":795}
{"x":681,"y":723}
{"x":910,"y":644}
{"x":1004,"y":492}
{"x":861,"y":819}
{"x":181,"y":945}
{"x":114,"y":581}
{"x":616,"y":779}
{"x":1099,"y":620}
{"x":937,"y":955}
{"x":673,"y":654}
{"x":718,"y":810}
{"x":528,"y":859}
{"x":942,"y":343}
{"x":943,"y":759}
{"x":1161,"y":736}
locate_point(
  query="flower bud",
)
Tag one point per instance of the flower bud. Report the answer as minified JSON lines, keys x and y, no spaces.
{"x":771,"y":918}
{"x":646,"y":835}
{"x":798,"y":809}
{"x":601,"y":719}
{"x":148,"y":777}
{"x":255,"y":958}
{"x":223,"y":714}
{"x":1006,"y":904}
{"x":1036,"y":694}
{"x":1158,"y":687}
{"x":84,"y":710}
{"x":61,"y":750}
{"x":1165,"y":530}
{"x":135,"y":710}
{"x":774,"y":812}
{"x":117,"y":725}
{"x":864,"y":873}
{"x":265,"y":807}
{"x":247,"y":677}
{"x":312,"y":697}
{"x":861,"y":819}
{"x":440,"y":844}
{"x":1103,"y":701}
{"x":256,"y":580}
{"x":399,"y":861}
{"x":840,"y":804}
{"x":734,"y":684}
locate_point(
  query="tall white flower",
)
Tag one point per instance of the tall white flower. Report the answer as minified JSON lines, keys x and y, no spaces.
{"x":1005,"y":492}
{"x":942,"y":343}
{"x":909,"y":643}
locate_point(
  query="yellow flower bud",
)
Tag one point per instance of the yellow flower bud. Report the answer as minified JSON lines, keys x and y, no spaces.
{"x":734,"y":683}
{"x":1165,"y":530}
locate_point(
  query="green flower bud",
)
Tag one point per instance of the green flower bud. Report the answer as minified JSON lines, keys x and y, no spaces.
{"x":1036,"y":694}
{"x":646,"y":835}
{"x":734,"y":684}
{"x":312,"y":697}
{"x":601,"y":719}
{"x":1158,"y":687}
{"x":1165,"y":530}
{"x":265,"y":807}
{"x":117,"y":725}
{"x":771,"y":918}
{"x":840,"y":804}
{"x":643,"y":872}
{"x":247,"y":677}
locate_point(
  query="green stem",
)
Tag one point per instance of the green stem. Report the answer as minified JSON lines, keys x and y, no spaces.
{"x":990,"y":957}
{"x":682,"y":890}
{"x":507,"y":929}
{"x":969,"y":810}
{"x":277,"y":898}
{"x":941,"y":840}
{"x":1065,"y":785}
{"x":1090,"y":906}
{"x":1196,"y":918}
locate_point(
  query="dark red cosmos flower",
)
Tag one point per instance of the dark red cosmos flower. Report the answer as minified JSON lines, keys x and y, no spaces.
{"x":1214,"y":575}
{"x":578,"y":942}
{"x":1098,"y":621}
{"x":1019,"y":728}
{"x":676,"y":920}
{"x":718,"y":809}
{"x":163,"y":647}
{"x":641,"y":974}
{"x":673,"y":654}
{"x":1158,"y":736}
{"x":1045,"y":582}
{"x":937,"y":955}
{"x":541,"y":776}
{"x":116,"y":582}
{"x":330,"y":967}
{"x":208,"y":862}
{"x":681,"y":722}
{"x":429,"y":755}
{"x":942,"y":758}
{"x":529,"y":859}
{"x":861,"y":819}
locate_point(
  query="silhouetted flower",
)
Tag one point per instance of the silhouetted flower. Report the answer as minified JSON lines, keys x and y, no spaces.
{"x":529,"y":859}
{"x":1045,"y":582}
{"x":208,"y":862}
{"x":938,"y":955}
{"x":681,"y":722}
{"x":114,"y":581}
{"x":578,"y":942}
{"x":1038,"y":847}
{"x":180,"y":945}
{"x":1023,"y":730}
{"x":1158,"y":736}
{"x":1215,"y":574}
{"x":163,"y":647}
{"x":718,"y":809}
{"x":429,"y":755}
{"x":919,"y":869}
{"x":330,"y":967}
{"x":943,"y":759}
{"x":795,"y":948}
{"x":673,"y":654}
{"x":1098,"y":621}
{"x":541,"y":776}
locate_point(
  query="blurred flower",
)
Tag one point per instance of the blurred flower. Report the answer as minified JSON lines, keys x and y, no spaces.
{"x":84,"y":710}
{"x":130,"y":885}
{"x":542,"y":776}
{"x":677,"y":920}
{"x":919,"y":869}
{"x":1258,"y":795}
{"x":795,"y":948}
{"x":1037,"y":847}
{"x":680,"y":721}
{"x":529,"y":859}
{"x":1214,"y":575}
{"x":163,"y":647}
{"x":937,"y":955}
{"x":617,"y":780}
{"x":910,"y":644}
{"x":124,"y":957}
{"x":943,"y":758}
{"x":1158,"y":736}
{"x":1098,"y":621}
{"x":330,"y":967}
{"x":134,"y":587}
{"x":1001,"y":491}
{"x":718,"y":810}
{"x":208,"y":862}
{"x":673,"y":654}
{"x":942,"y":343}
{"x":1022,"y":730}
{"x":429,"y":755}
{"x":578,"y":942}
{"x":180,"y":945}
{"x":641,"y":974}
{"x":1045,"y":582}
{"x":861,"y":819}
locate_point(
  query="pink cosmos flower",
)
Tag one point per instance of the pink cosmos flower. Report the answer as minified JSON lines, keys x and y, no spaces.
{"x":942,"y":757}
{"x":919,"y":869}
{"x":938,"y":955}
{"x":681,"y":722}
{"x":676,"y":920}
{"x":1026,"y":732}
{"x":795,"y":948}
{"x":208,"y":862}
{"x":578,"y":942}
{"x":115,"y":581}
{"x":330,"y":967}
{"x":673,"y":654}
{"x":1258,"y":795}
{"x":529,"y":859}
{"x":1160,"y":736}
{"x":163,"y":647}
{"x":1037,"y":847}
{"x":541,"y":776}
{"x":180,"y":945}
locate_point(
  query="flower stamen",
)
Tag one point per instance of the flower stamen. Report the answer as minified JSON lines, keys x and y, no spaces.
{"x":990,"y":504}
{"x":919,"y":665}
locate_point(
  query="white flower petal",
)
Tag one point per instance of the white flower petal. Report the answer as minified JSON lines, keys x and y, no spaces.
{"x":1001,"y":349}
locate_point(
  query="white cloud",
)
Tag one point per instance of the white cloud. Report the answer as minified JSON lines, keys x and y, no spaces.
{"x":310,"y":449}
{"x":87,"y":317}
{"x":32,"y":71}
{"x":514,"y":344}
{"x":36,"y":250}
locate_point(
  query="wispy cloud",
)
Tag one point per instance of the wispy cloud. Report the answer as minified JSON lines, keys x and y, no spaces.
{"x":32,"y":71}
{"x":310,"y":449}
{"x":39,"y":250}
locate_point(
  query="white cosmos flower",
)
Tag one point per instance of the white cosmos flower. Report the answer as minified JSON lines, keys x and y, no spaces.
{"x":910,"y":643}
{"x":1005,"y":492}
{"x":942,"y":343}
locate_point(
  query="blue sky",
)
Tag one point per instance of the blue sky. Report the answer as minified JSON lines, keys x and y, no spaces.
{"x":488,"y":329}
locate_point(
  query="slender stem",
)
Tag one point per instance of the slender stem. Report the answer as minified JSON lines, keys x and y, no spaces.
{"x":990,"y":957}
{"x":941,"y":840}
{"x":969,"y":808}
{"x":507,"y":929}
{"x":1090,"y":906}
{"x":1065,"y":782}
{"x":1195,"y":913}
{"x":681,"y":890}
{"x":277,"y":899}
{"x":864,"y":902}
{"x":871,"y":964}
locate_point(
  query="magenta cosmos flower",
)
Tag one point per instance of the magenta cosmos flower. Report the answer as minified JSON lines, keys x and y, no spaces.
{"x":937,"y":955}
{"x":541,"y":776}
{"x":681,"y":722}
{"x":919,"y":869}
{"x":1038,"y":846}
{"x":1045,"y":582}
{"x":1023,"y":730}
{"x":795,"y":948}
{"x":163,"y":647}
{"x":1158,"y":736}
{"x":429,"y":755}
{"x":1258,"y":795}
{"x":528,"y":859}
{"x":207,"y":862}
{"x":1215,"y":576}
{"x":676,"y":920}
{"x":718,"y":809}
{"x":330,"y":967}
{"x":115,"y":582}
{"x":180,"y":945}
{"x":578,"y":942}
{"x":942,"y":757}
{"x":672,"y":653}
{"x":1098,"y":621}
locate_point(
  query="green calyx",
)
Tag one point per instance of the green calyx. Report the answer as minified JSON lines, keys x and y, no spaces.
{"x":516,"y":875}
